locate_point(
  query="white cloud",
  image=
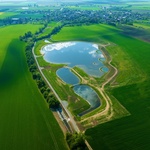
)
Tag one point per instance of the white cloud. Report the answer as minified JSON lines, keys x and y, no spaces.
{"x":95,"y":46}
{"x":58,"y":46}
{"x":102,"y":56}
{"x":93,"y":53}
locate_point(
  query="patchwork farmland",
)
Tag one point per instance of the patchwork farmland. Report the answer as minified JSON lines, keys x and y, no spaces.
{"x":120,"y":30}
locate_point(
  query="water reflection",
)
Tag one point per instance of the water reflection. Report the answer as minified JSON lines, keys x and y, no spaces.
{"x":67,"y":76}
{"x":85,"y":55}
{"x":89,"y":95}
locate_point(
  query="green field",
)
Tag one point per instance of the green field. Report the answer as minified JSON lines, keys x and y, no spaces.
{"x":7,"y":14}
{"x":131,"y":57}
{"x":95,"y":33}
{"x":142,"y":25}
{"x":26,"y":123}
{"x":16,"y":4}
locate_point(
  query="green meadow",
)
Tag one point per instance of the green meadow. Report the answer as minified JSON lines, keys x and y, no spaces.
{"x":26,"y":123}
{"x":92,"y":33}
{"x":131,"y":87}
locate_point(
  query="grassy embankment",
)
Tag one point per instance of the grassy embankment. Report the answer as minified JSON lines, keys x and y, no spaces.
{"x":26,"y":121}
{"x":95,"y":34}
{"x":131,"y":57}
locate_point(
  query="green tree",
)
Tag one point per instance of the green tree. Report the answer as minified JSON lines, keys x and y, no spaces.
{"x":54,"y":103}
{"x":76,"y":141}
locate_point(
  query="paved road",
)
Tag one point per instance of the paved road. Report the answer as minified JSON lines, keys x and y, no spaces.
{"x":66,"y":110}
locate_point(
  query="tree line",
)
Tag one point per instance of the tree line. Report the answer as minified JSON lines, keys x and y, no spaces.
{"x":34,"y":37}
{"x":41,"y":84}
{"x":76,"y":141}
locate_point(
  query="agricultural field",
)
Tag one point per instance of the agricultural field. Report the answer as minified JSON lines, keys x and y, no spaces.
{"x":121,"y":122}
{"x":95,"y":33}
{"x":26,"y":121}
{"x":7,"y":14}
{"x":142,"y":25}
{"x":131,"y":87}
{"x":141,"y":5}
{"x":85,"y":7}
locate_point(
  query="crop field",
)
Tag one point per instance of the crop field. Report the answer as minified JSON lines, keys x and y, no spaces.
{"x":140,"y":6}
{"x":85,"y":7}
{"x":11,"y":4}
{"x":26,"y":123}
{"x":131,"y":87}
{"x":142,"y":25}
{"x":95,"y":33}
{"x":7,"y":14}
{"x":139,"y":31}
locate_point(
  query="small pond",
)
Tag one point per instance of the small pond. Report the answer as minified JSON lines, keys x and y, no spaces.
{"x":67,"y":76}
{"x":89,"y":95}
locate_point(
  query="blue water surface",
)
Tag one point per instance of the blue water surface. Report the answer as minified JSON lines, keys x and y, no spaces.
{"x":85,"y":55}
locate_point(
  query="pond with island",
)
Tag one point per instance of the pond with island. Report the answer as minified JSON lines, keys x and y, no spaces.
{"x":84,"y":55}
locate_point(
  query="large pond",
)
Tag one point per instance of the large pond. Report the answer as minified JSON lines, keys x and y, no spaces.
{"x":86,"y":56}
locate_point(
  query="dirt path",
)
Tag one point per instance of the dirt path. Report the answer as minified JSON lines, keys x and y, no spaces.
{"x":114,"y":75}
{"x":108,"y":110}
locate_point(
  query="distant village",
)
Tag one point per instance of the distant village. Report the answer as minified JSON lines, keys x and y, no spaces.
{"x":108,"y":15}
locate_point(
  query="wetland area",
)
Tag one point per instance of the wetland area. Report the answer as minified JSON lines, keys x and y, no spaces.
{"x":86,"y":56}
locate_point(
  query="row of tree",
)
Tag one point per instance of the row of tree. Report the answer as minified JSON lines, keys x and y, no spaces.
{"x":43,"y":87}
{"x":76,"y":141}
{"x":35,"y":37}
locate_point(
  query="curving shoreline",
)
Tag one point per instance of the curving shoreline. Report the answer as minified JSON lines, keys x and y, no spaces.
{"x":105,"y":114}
{"x":108,"y":110}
